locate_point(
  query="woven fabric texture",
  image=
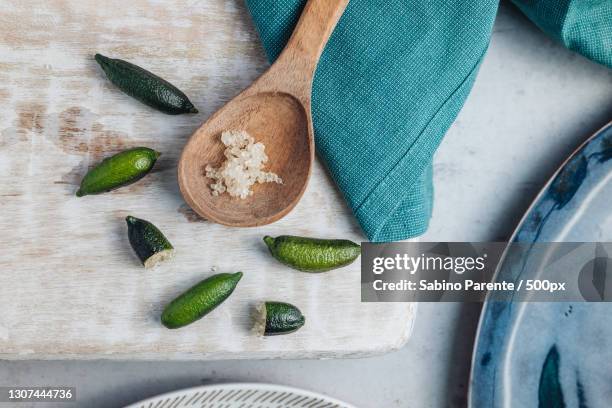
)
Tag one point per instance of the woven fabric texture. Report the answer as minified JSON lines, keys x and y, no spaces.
{"x":584,"y":26}
{"x":389,"y":84}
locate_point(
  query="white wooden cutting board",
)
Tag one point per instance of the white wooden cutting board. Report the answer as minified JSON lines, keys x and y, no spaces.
{"x":71,"y":286}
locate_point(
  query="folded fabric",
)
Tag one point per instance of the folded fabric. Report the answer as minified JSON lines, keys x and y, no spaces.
{"x":390,"y":82}
{"x":584,"y":26}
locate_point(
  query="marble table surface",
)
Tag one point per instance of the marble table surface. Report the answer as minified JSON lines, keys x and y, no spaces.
{"x":532,"y":104}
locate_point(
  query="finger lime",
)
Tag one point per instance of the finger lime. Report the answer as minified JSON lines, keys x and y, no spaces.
{"x":200,"y":300}
{"x":312,"y":254}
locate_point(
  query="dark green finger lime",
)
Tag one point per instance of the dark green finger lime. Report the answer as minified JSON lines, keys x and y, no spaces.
{"x":312,"y":254}
{"x":151,"y":246}
{"x":274,"y":318}
{"x":200,"y":300}
{"x":145,"y":86}
{"x":119,"y":170}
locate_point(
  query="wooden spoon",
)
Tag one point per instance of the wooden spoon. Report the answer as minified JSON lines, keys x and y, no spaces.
{"x":275,"y":110}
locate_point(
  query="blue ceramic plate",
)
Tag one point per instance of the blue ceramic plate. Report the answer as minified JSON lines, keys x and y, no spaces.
{"x":552,"y":354}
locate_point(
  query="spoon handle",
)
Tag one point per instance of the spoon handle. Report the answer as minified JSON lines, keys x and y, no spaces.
{"x":310,"y":36}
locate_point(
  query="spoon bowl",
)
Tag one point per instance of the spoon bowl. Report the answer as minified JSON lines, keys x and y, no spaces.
{"x":280,"y":122}
{"x":275,"y":111}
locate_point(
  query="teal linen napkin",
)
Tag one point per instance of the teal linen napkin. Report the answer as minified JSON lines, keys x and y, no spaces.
{"x":584,"y":26}
{"x":391,"y":81}
{"x":389,"y":84}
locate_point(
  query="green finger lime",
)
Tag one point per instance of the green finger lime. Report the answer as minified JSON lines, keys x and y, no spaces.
{"x":312,"y":254}
{"x":119,"y":170}
{"x":145,"y":86}
{"x":200,"y":300}
{"x":274,"y":318}
{"x":149,"y":243}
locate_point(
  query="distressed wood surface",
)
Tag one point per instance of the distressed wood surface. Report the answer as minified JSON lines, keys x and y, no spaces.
{"x":71,"y":286}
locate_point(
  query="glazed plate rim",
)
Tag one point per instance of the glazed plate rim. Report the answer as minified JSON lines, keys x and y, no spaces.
{"x":520,"y":225}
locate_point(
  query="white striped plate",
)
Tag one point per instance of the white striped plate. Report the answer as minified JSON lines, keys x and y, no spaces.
{"x":241,"y":395}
